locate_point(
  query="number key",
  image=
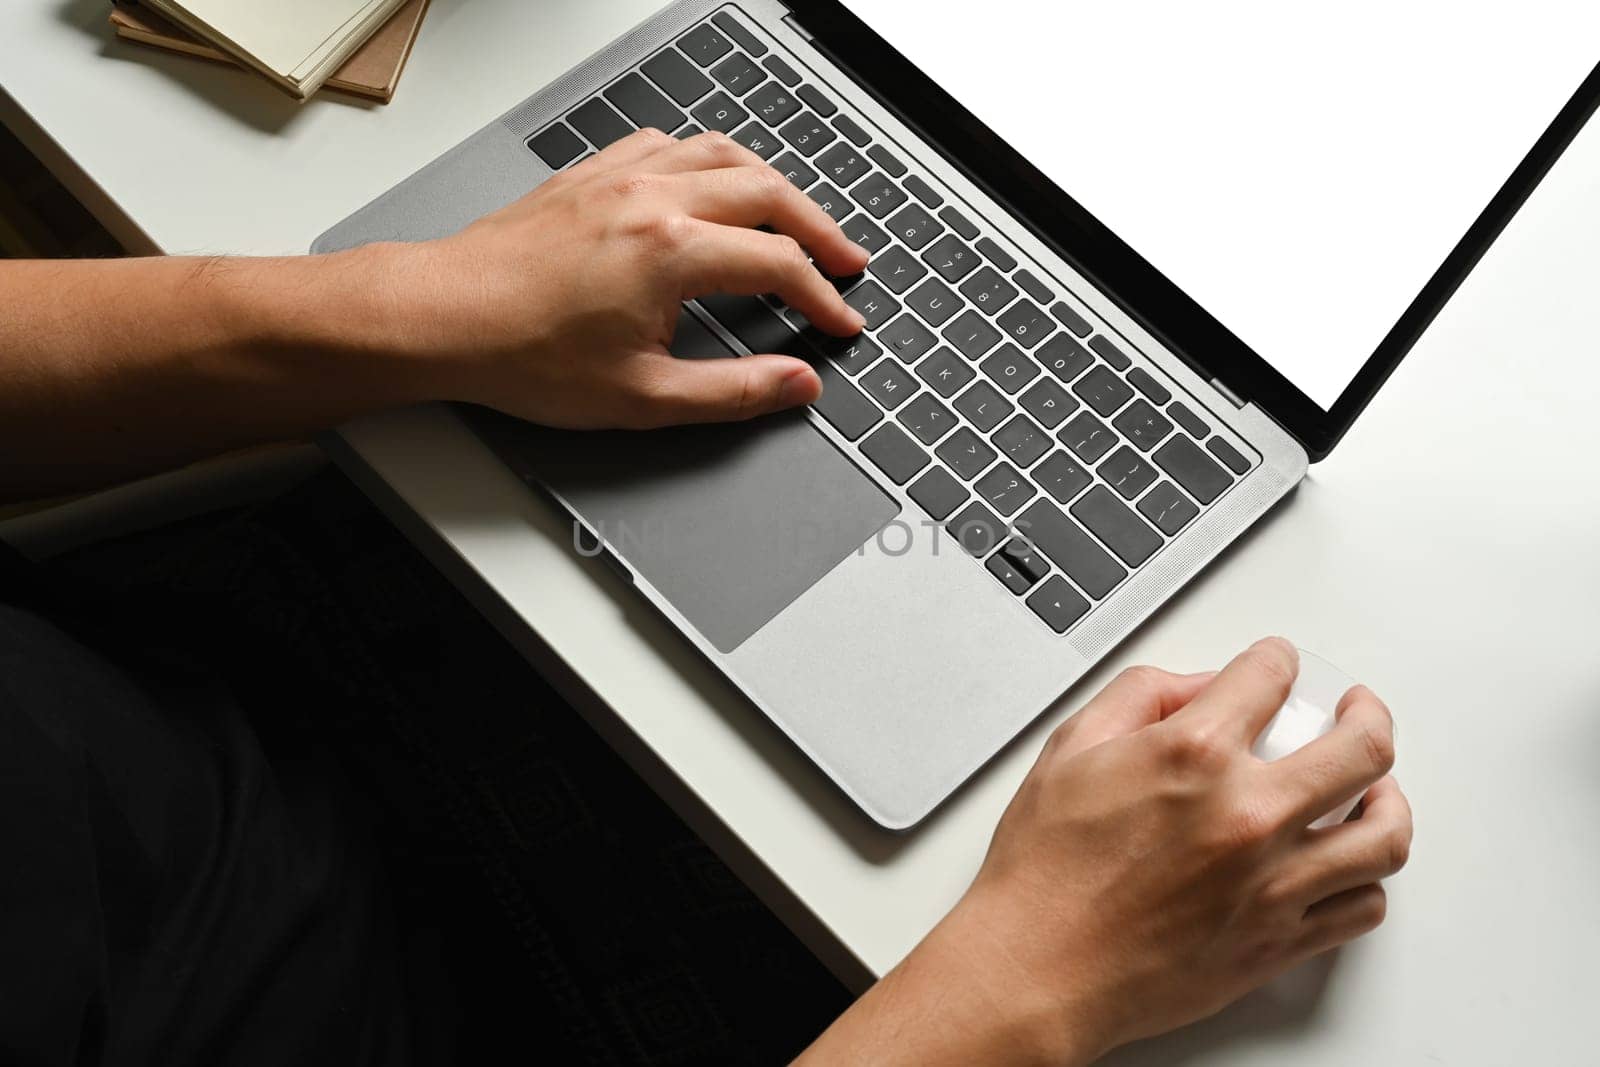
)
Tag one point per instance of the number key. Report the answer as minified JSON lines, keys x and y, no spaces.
{"x":843,"y":164}
{"x":772,"y":103}
{"x":952,"y":259}
{"x":878,"y":195}
{"x":1026,"y":324}
{"x":915,"y":226}
{"x":808,"y":134}
{"x":738,"y":74}
{"x":988,"y":290}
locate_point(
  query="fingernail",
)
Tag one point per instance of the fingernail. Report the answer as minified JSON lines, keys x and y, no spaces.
{"x":802,"y":386}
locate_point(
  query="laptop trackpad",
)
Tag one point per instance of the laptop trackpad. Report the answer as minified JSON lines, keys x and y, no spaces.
{"x":730,"y":522}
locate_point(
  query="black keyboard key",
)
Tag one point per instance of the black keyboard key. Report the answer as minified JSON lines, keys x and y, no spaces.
{"x":735,"y":29}
{"x":1143,"y":381}
{"x":1033,"y":286}
{"x":978,"y":530}
{"x":851,"y":130}
{"x":1191,"y":468}
{"x":971,"y":333}
{"x":816,"y":100}
{"x":1047,"y":529}
{"x":738,"y":74}
{"x":756,"y":137}
{"x":959,"y":223}
{"x":1127,"y":472}
{"x":1004,"y":488}
{"x":643,"y":104}
{"x":1048,"y":402}
{"x":996,"y":255}
{"x":952,"y":259}
{"x":756,"y":326}
{"x":915,"y":226}
{"x":688,"y":131}
{"x":1058,"y":604}
{"x":897,"y":268}
{"x":886,"y":159}
{"x":830,"y":200}
{"x":944,"y":373}
{"x":907,"y":338}
{"x":966,"y":453}
{"x":983,"y":406}
{"x":894,"y":453}
{"x":1143,"y":425}
{"x":1191,"y":422}
{"x":864,"y":232}
{"x":843,"y":405}
{"x":853,"y":354}
{"x":1110,"y":353}
{"x":878,"y":195}
{"x":772,"y":103}
{"x":889,"y":384}
{"x":794,"y":168}
{"x":1021,"y":441}
{"x":875,"y":305}
{"x":923,"y":191}
{"x":988,"y":291}
{"x":938,"y":493}
{"x":1063,"y":357}
{"x":1025,"y":558}
{"x":934,"y":301}
{"x":1109,"y":519}
{"x":557,"y":146}
{"x":719,"y":112}
{"x":843,"y":165}
{"x":704,"y":45}
{"x":808,"y":134}
{"x":1087,"y":436}
{"x":1069,"y":318}
{"x":1102,"y":390}
{"x":676,"y":76}
{"x":1009,"y":576}
{"x":927,"y":418}
{"x":1026,"y":324}
{"x":1228,"y":454}
{"x":1009,"y":368}
{"x":601,"y":125}
{"x":1062,"y":477}
{"x":1169,"y":509}
{"x":782,"y":71}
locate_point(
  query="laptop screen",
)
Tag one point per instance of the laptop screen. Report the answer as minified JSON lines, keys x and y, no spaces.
{"x":1300,"y":170}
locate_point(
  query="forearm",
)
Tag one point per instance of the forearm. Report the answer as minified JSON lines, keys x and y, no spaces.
{"x":114,"y":368}
{"x":955,"y":1000}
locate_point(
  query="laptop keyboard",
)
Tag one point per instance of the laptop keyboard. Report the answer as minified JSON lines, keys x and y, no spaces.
{"x":1029,"y":434}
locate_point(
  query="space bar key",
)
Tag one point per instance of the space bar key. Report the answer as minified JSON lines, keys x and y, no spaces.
{"x":756,"y":326}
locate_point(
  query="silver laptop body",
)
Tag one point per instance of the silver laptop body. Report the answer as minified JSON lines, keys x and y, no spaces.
{"x":794,"y":552}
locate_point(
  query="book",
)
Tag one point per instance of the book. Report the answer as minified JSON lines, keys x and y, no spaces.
{"x":296,"y":44}
{"x":372,"y":71}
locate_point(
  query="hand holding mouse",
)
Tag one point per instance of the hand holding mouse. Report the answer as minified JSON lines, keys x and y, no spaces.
{"x":1149,"y":871}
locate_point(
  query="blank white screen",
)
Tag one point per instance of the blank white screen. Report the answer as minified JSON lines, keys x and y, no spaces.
{"x":1300,"y":170}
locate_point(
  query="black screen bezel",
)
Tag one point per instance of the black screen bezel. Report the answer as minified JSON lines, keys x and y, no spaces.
{"x":1138,"y":287}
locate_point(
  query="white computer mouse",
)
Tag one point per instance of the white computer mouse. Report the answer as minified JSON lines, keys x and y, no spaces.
{"x":1306,"y":716}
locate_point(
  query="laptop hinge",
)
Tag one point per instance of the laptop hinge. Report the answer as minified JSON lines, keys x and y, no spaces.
{"x":1228,"y":394}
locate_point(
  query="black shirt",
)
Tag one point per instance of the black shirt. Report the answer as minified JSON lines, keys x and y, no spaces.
{"x":177,"y":886}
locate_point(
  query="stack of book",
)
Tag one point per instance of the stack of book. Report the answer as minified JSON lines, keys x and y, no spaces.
{"x":350,"y":46}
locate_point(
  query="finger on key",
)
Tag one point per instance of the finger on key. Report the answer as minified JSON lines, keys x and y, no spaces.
{"x":727,"y":259}
{"x":1245,"y":694}
{"x":703,"y":151}
{"x":760,"y":196}
{"x":1342,"y":762}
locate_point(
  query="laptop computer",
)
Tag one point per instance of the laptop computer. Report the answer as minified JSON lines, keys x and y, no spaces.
{"x":1131,"y":274}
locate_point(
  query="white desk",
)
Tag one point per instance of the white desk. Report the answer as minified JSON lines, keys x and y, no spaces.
{"x":1446,"y":554}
